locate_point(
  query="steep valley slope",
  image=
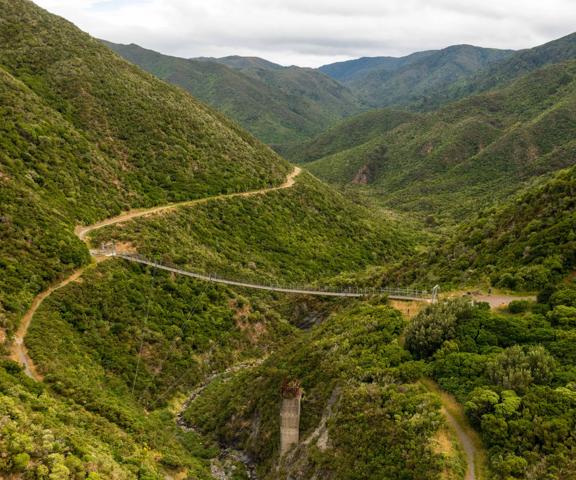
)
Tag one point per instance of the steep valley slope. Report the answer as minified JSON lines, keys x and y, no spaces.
{"x":463,"y":157}
{"x":279,"y":105}
{"x":86,"y":135}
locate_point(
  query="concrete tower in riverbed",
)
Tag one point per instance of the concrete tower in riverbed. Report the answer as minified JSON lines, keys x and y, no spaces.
{"x":290,"y":415}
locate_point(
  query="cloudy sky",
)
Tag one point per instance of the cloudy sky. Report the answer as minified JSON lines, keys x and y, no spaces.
{"x":315,"y":32}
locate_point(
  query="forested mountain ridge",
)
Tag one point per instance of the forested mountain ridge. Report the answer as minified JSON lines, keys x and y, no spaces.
{"x":469,"y":153}
{"x":152,"y":376}
{"x":505,"y":71}
{"x":526,"y":243}
{"x":280,"y":105}
{"x":406,"y":81}
{"x":350,"y":133}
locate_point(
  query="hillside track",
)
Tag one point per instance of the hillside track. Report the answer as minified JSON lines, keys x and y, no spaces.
{"x":18,"y":350}
{"x":82,"y":231}
{"x":467,"y":438}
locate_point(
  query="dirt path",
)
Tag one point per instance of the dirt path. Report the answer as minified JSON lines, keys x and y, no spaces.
{"x":18,"y":351}
{"x":83,"y":231}
{"x":499,"y":301}
{"x":467,"y":437}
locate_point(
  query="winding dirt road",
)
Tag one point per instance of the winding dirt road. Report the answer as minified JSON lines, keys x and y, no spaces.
{"x":18,"y":351}
{"x":82,"y":231}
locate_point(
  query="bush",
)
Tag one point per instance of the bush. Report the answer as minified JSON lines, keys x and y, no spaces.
{"x":435,"y":325}
{"x":518,"y":306}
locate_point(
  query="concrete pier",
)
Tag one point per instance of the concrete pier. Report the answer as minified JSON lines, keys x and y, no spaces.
{"x":290,"y":416}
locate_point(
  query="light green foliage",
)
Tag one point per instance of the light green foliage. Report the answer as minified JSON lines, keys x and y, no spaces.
{"x":250,"y":237}
{"x":46,"y":437}
{"x":433,"y":326}
{"x":526,"y":243}
{"x":516,"y":369}
{"x":87,"y":338}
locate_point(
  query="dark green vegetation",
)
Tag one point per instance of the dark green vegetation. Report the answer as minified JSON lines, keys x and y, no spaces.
{"x":357,"y":380}
{"x":349,"y":134}
{"x":45,"y":436}
{"x":452,"y":162}
{"x":503,"y":72}
{"x":85,"y":135}
{"x":123,"y":342}
{"x":411,"y":80}
{"x":515,"y":374}
{"x":429,"y":79}
{"x":249,"y":237}
{"x":280,"y":105}
{"x":526,"y":243}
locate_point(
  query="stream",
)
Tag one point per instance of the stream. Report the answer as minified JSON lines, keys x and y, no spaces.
{"x":224,"y":467}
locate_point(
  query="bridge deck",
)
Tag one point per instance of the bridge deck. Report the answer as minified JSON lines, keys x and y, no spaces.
{"x":392,"y":293}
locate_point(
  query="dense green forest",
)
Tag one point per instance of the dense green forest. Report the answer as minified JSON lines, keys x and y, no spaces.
{"x":527,"y":243}
{"x":248,"y":237}
{"x":424,"y":81}
{"x":382,"y":422}
{"x":471,"y":153}
{"x":406,"y":81}
{"x":85,"y":135}
{"x":515,"y":373}
{"x":279,"y":105}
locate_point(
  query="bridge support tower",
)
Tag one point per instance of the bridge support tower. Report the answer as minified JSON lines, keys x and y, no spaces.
{"x":290,"y":415}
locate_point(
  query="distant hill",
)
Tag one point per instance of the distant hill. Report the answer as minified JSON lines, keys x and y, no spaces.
{"x":243,"y":63}
{"x":396,"y":82}
{"x":469,"y":153}
{"x":280,"y":105}
{"x":350,"y":70}
{"x":503,"y":72}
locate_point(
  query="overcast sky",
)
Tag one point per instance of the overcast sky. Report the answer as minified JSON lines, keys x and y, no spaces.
{"x":316,"y":32}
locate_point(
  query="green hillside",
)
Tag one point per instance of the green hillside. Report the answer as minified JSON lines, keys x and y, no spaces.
{"x":406,"y":81}
{"x":526,"y":243}
{"x":86,"y":135}
{"x":348,"y":134}
{"x":469,"y":154}
{"x":241,"y":63}
{"x":514,"y":372}
{"x":505,"y":71}
{"x":350,"y":70}
{"x":280,"y":105}
{"x":143,"y":374}
{"x":381,"y":422}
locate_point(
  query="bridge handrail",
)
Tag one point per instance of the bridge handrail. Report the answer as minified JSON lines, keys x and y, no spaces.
{"x":349,"y":291}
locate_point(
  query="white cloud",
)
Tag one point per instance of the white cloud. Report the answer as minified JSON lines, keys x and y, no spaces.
{"x":314,"y":32}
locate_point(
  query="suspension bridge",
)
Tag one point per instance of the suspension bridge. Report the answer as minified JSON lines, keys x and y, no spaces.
{"x":407,"y":294}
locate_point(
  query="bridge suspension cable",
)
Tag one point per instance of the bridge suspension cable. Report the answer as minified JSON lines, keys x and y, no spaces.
{"x":350,"y":292}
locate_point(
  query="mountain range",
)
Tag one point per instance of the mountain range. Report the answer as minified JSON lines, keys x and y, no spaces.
{"x":280,"y":105}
